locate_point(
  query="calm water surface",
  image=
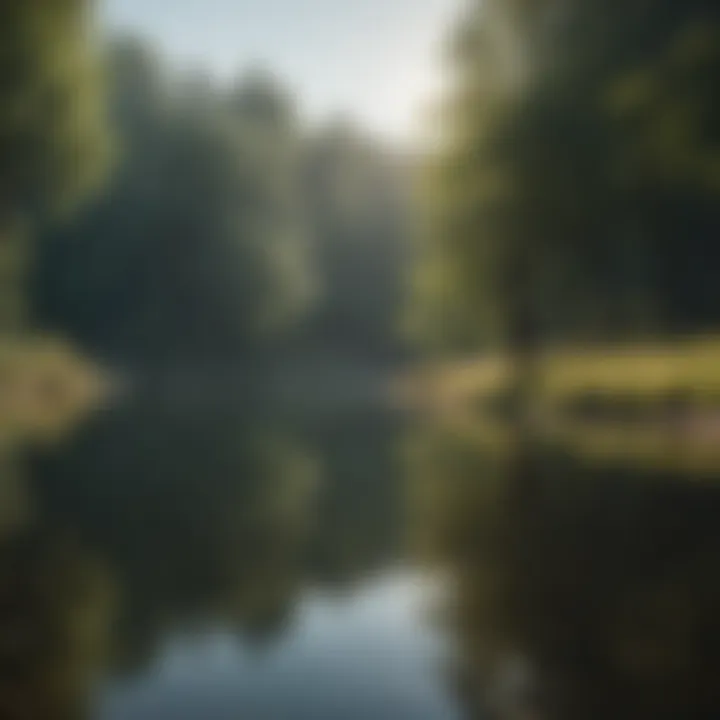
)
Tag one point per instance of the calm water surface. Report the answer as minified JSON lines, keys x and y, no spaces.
{"x":176,"y":565}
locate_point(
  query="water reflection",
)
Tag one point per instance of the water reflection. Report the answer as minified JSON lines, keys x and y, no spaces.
{"x":356,"y":657}
{"x":56,"y":606}
{"x":259,"y":567}
{"x":167,"y":564}
{"x":582,"y":592}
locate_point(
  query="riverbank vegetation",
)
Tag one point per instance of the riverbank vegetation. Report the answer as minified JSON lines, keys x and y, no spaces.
{"x":565,"y":219}
{"x":572,"y":203}
{"x":55,"y":150}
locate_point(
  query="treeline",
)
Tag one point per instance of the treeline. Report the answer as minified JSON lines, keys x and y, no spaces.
{"x":574,"y":193}
{"x":573,"y":196}
{"x":228,"y":229}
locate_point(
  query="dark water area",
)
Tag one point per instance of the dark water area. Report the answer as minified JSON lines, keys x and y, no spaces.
{"x":174,"y":565}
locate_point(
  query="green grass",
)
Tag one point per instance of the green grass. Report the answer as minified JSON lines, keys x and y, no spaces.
{"x":46,"y":387}
{"x":652,"y":406}
{"x":651,"y":376}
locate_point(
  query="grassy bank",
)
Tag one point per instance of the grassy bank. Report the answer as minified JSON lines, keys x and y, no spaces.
{"x":648,"y":379}
{"x":46,"y":387}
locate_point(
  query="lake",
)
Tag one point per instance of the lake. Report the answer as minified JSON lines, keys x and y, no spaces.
{"x":173,"y":565}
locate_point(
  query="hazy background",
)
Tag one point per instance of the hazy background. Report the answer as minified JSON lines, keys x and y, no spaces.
{"x":375,"y":61}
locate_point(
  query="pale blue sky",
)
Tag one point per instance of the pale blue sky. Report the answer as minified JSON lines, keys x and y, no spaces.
{"x":374,"y":59}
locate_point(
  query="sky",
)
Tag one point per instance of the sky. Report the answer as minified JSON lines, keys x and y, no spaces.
{"x":375,"y":60}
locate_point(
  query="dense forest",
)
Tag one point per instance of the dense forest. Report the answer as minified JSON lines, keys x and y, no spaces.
{"x":228,"y":228}
{"x":573,"y":196}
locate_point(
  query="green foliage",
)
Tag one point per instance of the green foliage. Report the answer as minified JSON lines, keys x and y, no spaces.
{"x":575,"y":195}
{"x":358,"y":212}
{"x":227,"y":230}
{"x":52,"y":142}
{"x":194,"y":248}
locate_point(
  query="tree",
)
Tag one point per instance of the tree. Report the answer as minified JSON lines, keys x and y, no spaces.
{"x":52,"y":135}
{"x":573,"y":197}
{"x":358,"y":215}
{"x":193,"y":251}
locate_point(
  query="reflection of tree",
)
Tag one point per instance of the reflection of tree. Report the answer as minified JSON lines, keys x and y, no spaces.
{"x":197,"y":517}
{"x":55,"y":598}
{"x":208,"y":519}
{"x":603,"y":586}
{"x":55,"y":612}
{"x":358,"y":519}
{"x":14,"y":504}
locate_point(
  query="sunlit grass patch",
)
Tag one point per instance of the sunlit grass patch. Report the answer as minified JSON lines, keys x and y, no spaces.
{"x":651,"y":371}
{"x":648,"y":378}
{"x":46,"y":386}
